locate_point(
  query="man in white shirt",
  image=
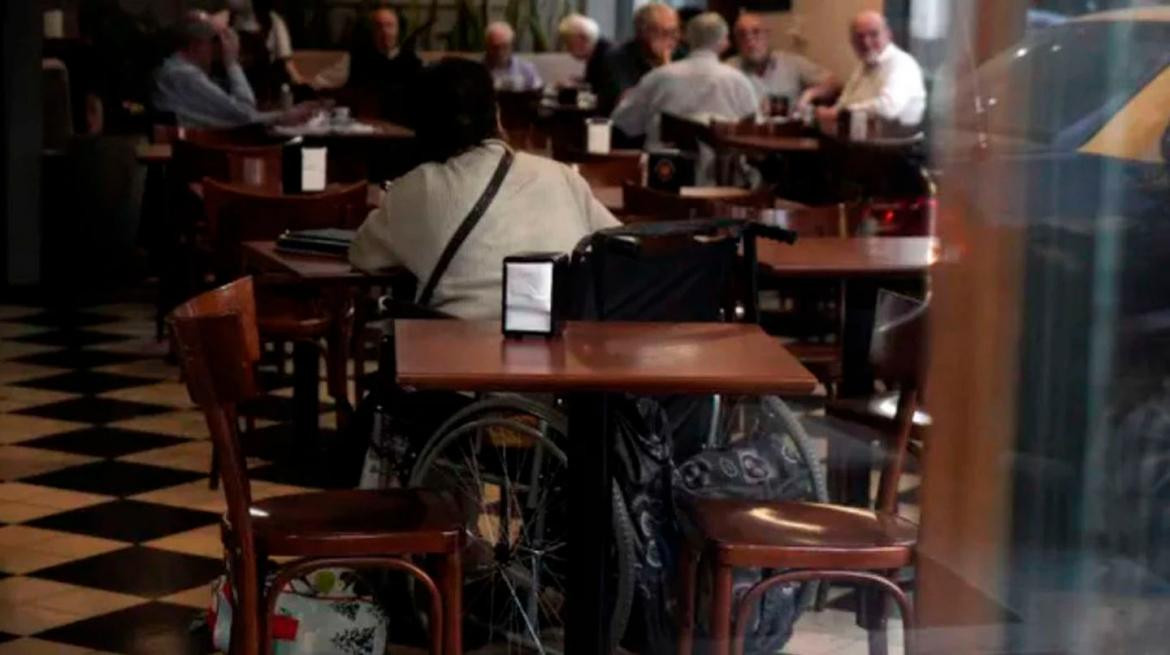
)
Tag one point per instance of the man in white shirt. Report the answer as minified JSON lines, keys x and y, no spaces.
{"x":778,"y":73}
{"x":699,"y":87}
{"x":887,"y":86}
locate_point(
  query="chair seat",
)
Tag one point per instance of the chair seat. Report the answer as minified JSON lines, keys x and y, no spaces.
{"x":288,"y":317}
{"x":356,"y":523}
{"x":875,"y":411}
{"x":749,"y":533}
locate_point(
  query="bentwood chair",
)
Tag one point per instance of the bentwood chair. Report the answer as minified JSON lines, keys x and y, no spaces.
{"x":219,"y":346}
{"x":236,"y":214}
{"x":810,"y":541}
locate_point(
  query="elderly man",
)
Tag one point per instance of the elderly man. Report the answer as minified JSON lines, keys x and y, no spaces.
{"x":887,"y":86}
{"x":656,"y":38}
{"x":509,"y":72}
{"x":778,"y":73}
{"x":183,"y":85}
{"x":699,"y":86}
{"x":581,"y":38}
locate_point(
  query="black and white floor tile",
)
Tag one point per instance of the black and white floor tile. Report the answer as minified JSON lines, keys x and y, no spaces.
{"x":108,"y":530}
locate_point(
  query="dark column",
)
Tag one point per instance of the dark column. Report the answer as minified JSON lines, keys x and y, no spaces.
{"x":20,"y":141}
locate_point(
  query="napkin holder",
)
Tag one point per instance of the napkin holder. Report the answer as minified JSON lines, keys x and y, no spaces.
{"x":534,"y":294}
{"x":303,"y":168}
{"x":670,"y":170}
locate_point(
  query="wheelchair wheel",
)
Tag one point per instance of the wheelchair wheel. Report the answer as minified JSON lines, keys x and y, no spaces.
{"x":502,"y":458}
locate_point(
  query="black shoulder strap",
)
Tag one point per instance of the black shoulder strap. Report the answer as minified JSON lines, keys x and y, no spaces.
{"x":466,"y":227}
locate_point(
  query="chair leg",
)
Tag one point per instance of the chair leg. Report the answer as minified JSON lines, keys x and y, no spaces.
{"x":687,"y":570}
{"x":453,"y":603}
{"x":721,"y":610}
{"x":874,"y":607}
{"x":874,"y":581}
{"x":213,"y":472}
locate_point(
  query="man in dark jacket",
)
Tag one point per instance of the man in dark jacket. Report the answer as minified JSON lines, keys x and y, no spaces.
{"x":381,"y":69}
{"x":656,"y":37}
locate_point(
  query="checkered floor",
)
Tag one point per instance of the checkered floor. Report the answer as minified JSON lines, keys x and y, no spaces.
{"x":108,"y":531}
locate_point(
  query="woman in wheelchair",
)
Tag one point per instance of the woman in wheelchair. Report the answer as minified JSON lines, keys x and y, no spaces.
{"x":504,"y":456}
{"x":473,"y":202}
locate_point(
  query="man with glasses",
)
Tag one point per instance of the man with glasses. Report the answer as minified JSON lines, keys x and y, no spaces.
{"x":699,"y":87}
{"x":777,"y":74}
{"x":656,"y":39}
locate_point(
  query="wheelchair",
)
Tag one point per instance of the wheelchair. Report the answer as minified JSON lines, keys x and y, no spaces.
{"x":503,"y":456}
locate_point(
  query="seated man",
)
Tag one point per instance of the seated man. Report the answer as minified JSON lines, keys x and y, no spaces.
{"x":581,"y":37}
{"x":778,"y":73}
{"x":699,"y":87}
{"x":541,"y":205}
{"x":888,"y":85}
{"x":183,"y":85}
{"x":381,"y":70}
{"x":509,"y":72}
{"x":655,"y":41}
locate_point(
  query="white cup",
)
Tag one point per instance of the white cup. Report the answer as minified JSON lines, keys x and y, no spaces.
{"x":254,"y":171}
{"x":597,"y":135}
{"x":858,"y":126}
{"x":774,"y":217}
{"x":54,"y":24}
{"x":341,"y":116}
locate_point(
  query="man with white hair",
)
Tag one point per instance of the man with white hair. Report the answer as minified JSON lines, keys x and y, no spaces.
{"x":699,"y":86}
{"x":887,"y":86}
{"x":581,"y":38}
{"x":509,"y":72}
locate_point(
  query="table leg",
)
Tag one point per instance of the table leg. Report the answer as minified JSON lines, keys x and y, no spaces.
{"x":590,"y":524}
{"x":306,"y":405}
{"x":857,"y":375}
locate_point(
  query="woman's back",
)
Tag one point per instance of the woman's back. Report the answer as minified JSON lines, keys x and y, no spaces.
{"x":541,"y":205}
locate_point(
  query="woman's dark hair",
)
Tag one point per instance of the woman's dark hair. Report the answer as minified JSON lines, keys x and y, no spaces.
{"x":454,"y":109}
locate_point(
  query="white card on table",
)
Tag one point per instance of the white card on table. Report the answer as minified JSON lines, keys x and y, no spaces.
{"x":313,"y":169}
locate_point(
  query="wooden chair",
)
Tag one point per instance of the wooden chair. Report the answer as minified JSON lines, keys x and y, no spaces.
{"x":252,"y":165}
{"x":810,"y":541}
{"x":682,"y":133}
{"x":236,"y":214}
{"x":692,"y":202}
{"x":219,"y":346}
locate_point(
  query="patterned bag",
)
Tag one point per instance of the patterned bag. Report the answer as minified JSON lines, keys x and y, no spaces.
{"x":763,"y":465}
{"x":323,"y":613}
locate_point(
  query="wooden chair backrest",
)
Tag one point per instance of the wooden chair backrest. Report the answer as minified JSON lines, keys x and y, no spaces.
{"x":195,"y":160}
{"x":218,"y":345}
{"x":238,"y":213}
{"x":682,"y":133}
{"x":898,"y":355}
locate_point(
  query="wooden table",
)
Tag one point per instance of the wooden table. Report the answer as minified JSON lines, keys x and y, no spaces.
{"x":337,"y":280}
{"x":383,"y":130}
{"x":849,"y":257}
{"x":611,"y":197}
{"x":589,"y":361}
{"x":862,"y":265}
{"x":767,"y":143}
{"x":153,"y":153}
